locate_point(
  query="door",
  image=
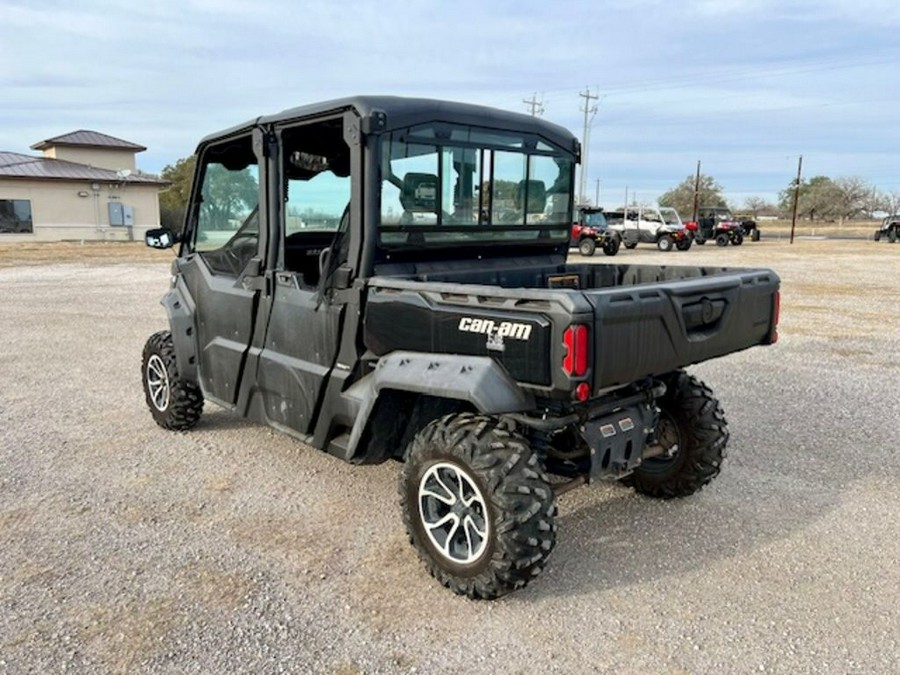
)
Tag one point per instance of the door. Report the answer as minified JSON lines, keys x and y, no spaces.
{"x":305,"y":316}
{"x":221,"y":263}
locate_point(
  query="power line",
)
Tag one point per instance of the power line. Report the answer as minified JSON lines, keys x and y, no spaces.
{"x":536,"y":105}
{"x":585,"y":143}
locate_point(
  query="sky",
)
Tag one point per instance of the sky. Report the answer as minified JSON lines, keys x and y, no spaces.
{"x":743,"y":86}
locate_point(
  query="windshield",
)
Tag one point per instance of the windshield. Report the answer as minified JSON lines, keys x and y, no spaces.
{"x":723,"y":215}
{"x":670,"y":216}
{"x":595,"y":219}
{"x":448,"y":184}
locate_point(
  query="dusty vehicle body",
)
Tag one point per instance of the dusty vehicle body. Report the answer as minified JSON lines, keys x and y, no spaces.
{"x":386,"y":278}
{"x":649,"y":225}
{"x":591,"y":231}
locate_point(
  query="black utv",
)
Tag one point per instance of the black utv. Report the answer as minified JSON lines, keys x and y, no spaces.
{"x":386,"y":279}
{"x":889,"y":230}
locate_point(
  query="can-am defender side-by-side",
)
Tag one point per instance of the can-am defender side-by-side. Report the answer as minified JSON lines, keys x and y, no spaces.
{"x":386,"y":278}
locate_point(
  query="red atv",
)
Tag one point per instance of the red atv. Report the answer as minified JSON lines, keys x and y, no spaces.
{"x":716,"y":222}
{"x":591,"y":231}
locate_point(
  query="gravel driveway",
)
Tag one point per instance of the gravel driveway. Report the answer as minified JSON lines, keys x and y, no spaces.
{"x":232,"y":548}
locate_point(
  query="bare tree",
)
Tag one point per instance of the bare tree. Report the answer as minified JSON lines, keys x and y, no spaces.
{"x":758,"y":205}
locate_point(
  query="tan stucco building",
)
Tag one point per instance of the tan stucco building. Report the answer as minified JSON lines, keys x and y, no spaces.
{"x":85,"y":185}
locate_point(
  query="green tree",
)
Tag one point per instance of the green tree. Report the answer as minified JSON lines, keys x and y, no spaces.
{"x":819,"y":199}
{"x":681,"y":197}
{"x":173,"y":201}
{"x":227,"y":196}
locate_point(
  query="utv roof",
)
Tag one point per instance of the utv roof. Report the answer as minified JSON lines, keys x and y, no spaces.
{"x":403,"y":112}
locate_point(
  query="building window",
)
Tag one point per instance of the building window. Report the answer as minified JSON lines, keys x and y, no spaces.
{"x":15,"y":216}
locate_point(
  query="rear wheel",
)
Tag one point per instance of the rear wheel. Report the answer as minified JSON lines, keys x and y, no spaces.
{"x":737,"y":239}
{"x":892,"y":235}
{"x":877,"y":235}
{"x":175,"y":403}
{"x":631,"y":244}
{"x":587,"y":246}
{"x":477,"y":505}
{"x":684,"y":244}
{"x":754,"y":236}
{"x":722,"y":240}
{"x":664,"y":243}
{"x":693,"y":429}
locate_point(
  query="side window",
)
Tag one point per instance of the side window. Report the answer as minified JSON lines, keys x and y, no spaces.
{"x":226,"y":231}
{"x":316,"y":199}
{"x":315,"y":205}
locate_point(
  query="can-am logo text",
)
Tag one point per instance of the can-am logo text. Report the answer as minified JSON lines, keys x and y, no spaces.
{"x":503,"y":329}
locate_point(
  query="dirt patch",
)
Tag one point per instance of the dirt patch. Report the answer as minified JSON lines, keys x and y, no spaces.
{"x":89,"y":252}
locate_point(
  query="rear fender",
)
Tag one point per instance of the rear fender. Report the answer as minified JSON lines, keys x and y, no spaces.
{"x":477,"y":380}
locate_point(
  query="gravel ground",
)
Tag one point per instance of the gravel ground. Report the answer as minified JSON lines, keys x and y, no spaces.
{"x":125,"y":548}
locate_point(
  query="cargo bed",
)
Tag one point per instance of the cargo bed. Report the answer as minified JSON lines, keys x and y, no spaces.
{"x":644,"y":320}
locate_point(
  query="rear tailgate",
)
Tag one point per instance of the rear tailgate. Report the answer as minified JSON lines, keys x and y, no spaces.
{"x":651,"y":329}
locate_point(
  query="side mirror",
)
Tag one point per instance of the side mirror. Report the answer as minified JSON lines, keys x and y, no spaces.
{"x":161,"y":237}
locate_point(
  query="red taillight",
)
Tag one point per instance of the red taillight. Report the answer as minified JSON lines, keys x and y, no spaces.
{"x":773,"y":338}
{"x":575,"y":362}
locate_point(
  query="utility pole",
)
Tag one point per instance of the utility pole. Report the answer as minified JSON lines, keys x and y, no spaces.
{"x":588,"y":109}
{"x":697,"y":193}
{"x":536,"y":105}
{"x":796,"y":198}
{"x":597,"y":200}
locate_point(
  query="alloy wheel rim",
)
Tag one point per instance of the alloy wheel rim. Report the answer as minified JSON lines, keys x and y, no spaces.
{"x":453,"y":513}
{"x":158,"y":382}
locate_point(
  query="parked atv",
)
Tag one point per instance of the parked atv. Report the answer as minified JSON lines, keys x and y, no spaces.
{"x":591,"y":231}
{"x":717,"y":223}
{"x":890,"y":229}
{"x":648,"y":225}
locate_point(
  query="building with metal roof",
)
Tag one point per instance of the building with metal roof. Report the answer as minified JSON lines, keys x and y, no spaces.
{"x":84,"y":185}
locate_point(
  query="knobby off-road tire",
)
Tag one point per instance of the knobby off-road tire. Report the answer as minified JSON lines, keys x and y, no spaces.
{"x":684,"y":244}
{"x":611,"y":245}
{"x":892,"y":235}
{"x":477,"y":505}
{"x":693,"y":426}
{"x":174,"y":403}
{"x":722,"y":240}
{"x":587,"y":246}
{"x":737,"y":239}
{"x":665,"y":243}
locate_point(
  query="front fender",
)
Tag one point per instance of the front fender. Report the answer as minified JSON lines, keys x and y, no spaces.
{"x":180,"y":307}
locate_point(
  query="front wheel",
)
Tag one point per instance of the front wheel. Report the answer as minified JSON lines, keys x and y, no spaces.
{"x":737,"y":239}
{"x":892,"y":235}
{"x":684,"y":244}
{"x":587,"y":246}
{"x":175,"y":403}
{"x":722,"y":240}
{"x":611,"y":246}
{"x":477,"y":505}
{"x":664,"y":243}
{"x":693,"y":430}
